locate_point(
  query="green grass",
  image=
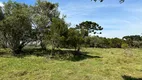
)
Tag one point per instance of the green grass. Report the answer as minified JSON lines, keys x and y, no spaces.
{"x":103,"y":64}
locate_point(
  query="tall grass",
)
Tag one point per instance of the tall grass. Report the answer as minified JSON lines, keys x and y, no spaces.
{"x":97,"y":64}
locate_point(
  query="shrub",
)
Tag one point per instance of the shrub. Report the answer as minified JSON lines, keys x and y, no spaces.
{"x":5,"y":51}
{"x":124,"y":45}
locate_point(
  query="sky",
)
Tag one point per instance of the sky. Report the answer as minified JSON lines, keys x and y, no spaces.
{"x":117,"y":19}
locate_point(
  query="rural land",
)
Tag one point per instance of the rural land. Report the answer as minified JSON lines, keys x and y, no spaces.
{"x":70,"y":40}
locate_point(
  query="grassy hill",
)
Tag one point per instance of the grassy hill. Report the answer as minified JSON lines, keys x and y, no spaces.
{"x":94,"y":64}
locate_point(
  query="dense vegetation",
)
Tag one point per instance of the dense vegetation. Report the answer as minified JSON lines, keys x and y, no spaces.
{"x":41,"y":23}
{"x":133,"y":41}
{"x":22,"y":24}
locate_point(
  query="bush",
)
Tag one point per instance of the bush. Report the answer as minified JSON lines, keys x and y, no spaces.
{"x":5,"y":51}
{"x":124,"y":45}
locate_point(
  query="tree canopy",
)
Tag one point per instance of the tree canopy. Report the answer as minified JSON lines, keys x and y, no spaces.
{"x":21,"y":24}
{"x":43,"y":12}
{"x":121,"y":1}
{"x":87,"y":27}
{"x":16,"y":26}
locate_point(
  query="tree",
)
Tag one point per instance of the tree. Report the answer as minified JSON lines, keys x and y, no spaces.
{"x":16,"y":26}
{"x":58,"y":32}
{"x":89,"y":27}
{"x":116,"y":42}
{"x":121,"y":1}
{"x":92,"y":41}
{"x":43,"y":12}
{"x":84,"y":29}
{"x":74,"y":39}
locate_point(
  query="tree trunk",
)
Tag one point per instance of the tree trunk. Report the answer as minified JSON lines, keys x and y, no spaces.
{"x":18,"y":50}
{"x":78,"y":50}
{"x":43,"y":46}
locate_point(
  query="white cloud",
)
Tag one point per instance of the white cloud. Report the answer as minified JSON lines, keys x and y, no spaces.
{"x":117,"y":19}
{"x":1,"y":4}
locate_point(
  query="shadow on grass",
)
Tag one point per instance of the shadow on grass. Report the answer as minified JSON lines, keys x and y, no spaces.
{"x":57,"y":54}
{"x":130,"y":78}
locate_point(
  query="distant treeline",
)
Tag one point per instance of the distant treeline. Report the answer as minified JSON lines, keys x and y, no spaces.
{"x":133,"y":41}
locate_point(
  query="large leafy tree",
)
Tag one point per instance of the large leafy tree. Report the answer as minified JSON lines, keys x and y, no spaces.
{"x":84,"y":29}
{"x":43,"y":12}
{"x":16,"y":26}
{"x":58,"y":32}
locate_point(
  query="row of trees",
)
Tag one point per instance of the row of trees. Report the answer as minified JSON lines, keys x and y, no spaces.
{"x":134,"y":41}
{"x":21,"y":24}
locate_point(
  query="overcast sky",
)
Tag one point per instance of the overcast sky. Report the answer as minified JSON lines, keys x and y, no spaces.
{"x":117,"y":19}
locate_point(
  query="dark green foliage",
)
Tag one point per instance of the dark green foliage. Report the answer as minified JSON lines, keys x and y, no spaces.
{"x":133,"y":40}
{"x":125,"y":42}
{"x":121,"y":1}
{"x":16,"y":26}
{"x":21,"y":24}
{"x":5,"y":52}
{"x":102,"y":42}
{"x":88,"y":27}
{"x":58,"y":32}
{"x":74,"y":39}
{"x":43,"y":13}
{"x":116,"y":43}
{"x":81,"y":31}
{"x":124,"y":45}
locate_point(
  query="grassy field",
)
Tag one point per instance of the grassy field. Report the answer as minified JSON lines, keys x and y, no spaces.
{"x":96,"y":64}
